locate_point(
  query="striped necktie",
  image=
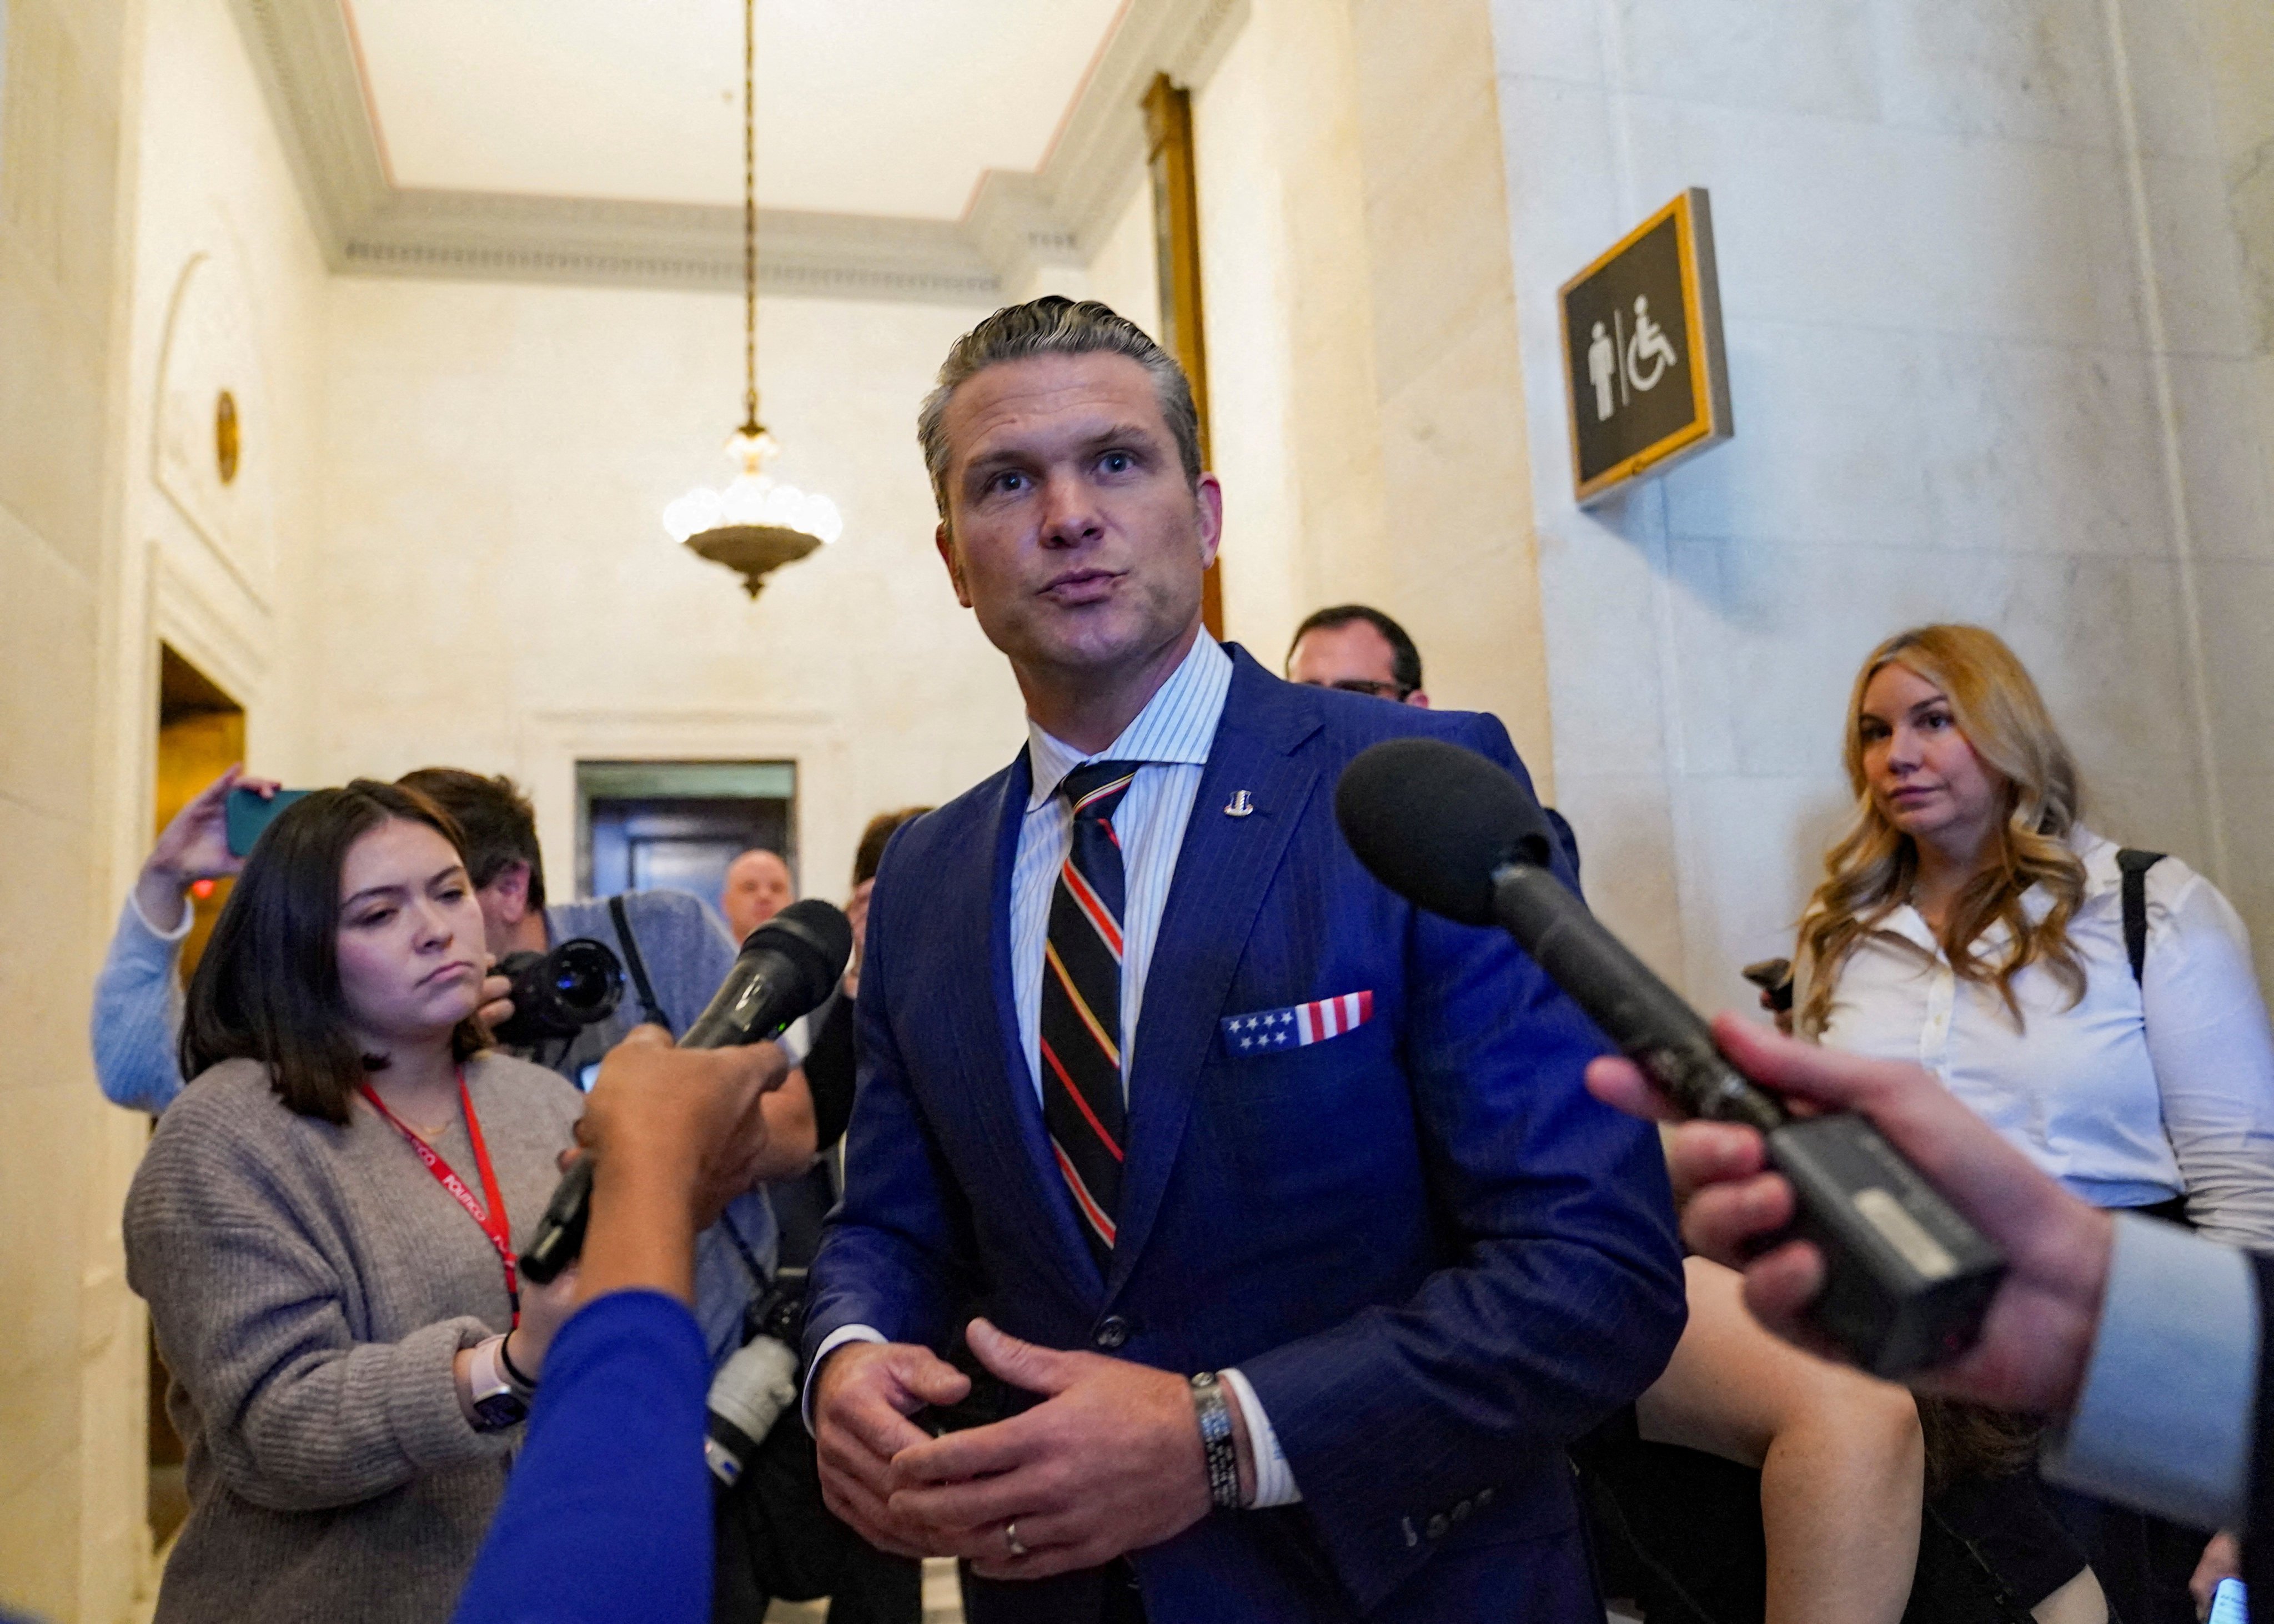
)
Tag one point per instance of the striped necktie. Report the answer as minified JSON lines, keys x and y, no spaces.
{"x":1081,"y":1005}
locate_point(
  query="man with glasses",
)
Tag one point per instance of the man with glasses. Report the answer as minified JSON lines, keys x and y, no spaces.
{"x":1361,"y":651}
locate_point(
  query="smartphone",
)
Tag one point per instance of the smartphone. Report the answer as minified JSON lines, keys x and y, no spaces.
{"x":250,"y":812}
{"x":2228,"y":1605}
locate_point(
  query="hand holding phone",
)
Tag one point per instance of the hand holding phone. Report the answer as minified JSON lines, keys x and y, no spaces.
{"x":194,"y":846}
{"x":250,"y":812}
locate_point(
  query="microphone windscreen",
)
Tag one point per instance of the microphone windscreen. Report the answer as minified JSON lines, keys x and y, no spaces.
{"x":815,"y":936}
{"x":1433,"y":820}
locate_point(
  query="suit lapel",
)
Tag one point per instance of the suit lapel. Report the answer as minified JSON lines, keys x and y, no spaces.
{"x":1223,"y":871}
{"x":1002,"y":1092}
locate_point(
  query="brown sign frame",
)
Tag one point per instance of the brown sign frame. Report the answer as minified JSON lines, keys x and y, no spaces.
{"x":1711,"y":423}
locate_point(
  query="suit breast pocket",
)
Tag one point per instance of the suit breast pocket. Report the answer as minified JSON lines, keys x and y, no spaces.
{"x":1311,"y":1123}
{"x":1260,"y":1033}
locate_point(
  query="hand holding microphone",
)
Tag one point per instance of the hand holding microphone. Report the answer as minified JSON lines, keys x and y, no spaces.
{"x":2038,"y":1333}
{"x":692,"y":1118}
{"x":786,"y":968}
{"x":1906,"y":1277}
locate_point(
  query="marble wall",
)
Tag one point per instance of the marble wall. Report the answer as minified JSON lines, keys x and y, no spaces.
{"x":1992,"y":360}
{"x":229,"y":293}
{"x":69,"y":1362}
{"x":2235,"y":154}
{"x":1362,"y":343}
{"x":225,"y":292}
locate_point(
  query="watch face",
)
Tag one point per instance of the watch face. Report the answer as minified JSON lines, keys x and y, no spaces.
{"x":499,"y":1412}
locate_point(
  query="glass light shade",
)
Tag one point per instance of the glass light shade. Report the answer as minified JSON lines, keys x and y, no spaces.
{"x":753,"y":498}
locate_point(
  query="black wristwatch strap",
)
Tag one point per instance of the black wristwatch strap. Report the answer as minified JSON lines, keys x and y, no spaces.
{"x":512,"y":1370}
{"x":1215,"y":1416}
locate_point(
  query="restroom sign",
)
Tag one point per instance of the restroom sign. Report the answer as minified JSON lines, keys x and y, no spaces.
{"x":1642,"y":351}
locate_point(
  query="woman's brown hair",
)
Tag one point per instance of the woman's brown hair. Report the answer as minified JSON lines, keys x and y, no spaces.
{"x":869,"y":854}
{"x":1870,"y":868}
{"x":268,"y":987}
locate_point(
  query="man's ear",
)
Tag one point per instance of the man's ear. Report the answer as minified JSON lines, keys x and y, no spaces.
{"x":945,"y":542}
{"x":1208,"y":497}
{"x":506,"y":897}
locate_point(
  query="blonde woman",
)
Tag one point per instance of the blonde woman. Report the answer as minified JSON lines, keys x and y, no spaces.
{"x":1970,"y":921}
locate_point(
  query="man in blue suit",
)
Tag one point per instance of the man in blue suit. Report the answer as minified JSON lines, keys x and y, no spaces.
{"x":1293,"y":1242}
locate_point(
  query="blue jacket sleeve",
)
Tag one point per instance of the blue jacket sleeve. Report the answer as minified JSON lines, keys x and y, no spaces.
{"x":1565,"y":1299}
{"x":897,"y":1253}
{"x":608,"y":1515}
{"x":136,"y":1025}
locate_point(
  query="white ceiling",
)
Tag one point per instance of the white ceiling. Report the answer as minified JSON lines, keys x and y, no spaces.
{"x":865,"y":107}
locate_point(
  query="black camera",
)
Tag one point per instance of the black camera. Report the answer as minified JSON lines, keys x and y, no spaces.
{"x":558,"y":994}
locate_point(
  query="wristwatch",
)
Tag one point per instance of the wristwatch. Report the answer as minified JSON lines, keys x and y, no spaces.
{"x":501,"y":1399}
{"x":1217,"y":1449}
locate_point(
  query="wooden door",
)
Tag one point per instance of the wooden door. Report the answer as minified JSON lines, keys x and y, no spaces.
{"x":200,"y":736}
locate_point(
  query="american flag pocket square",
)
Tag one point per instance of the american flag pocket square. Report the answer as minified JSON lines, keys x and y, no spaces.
{"x":1297,"y":1027}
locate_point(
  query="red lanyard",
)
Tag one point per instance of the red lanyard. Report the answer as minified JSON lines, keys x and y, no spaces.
{"x":492,"y":1216}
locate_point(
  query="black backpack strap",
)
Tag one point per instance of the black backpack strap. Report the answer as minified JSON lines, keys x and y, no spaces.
{"x":2134,"y":866}
{"x":641,"y":985}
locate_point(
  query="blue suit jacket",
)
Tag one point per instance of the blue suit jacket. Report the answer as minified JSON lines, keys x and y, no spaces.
{"x":1434,"y":1255}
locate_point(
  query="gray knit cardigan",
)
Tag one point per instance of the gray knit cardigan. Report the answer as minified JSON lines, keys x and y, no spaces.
{"x":310,"y":1285}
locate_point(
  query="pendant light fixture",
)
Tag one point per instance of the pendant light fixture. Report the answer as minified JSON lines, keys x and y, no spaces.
{"x":755,"y":524}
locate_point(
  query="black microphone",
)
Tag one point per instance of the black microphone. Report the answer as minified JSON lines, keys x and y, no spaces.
{"x":788,"y":967}
{"x":1906,"y":1278}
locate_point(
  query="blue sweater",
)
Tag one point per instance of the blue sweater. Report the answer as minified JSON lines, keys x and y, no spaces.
{"x":607,"y":1518}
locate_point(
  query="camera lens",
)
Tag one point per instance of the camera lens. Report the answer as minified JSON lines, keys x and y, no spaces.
{"x":577,"y":985}
{"x":586,"y":979}
{"x":557,"y":994}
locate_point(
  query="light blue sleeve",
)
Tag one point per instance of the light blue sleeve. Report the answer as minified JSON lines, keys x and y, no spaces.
{"x":2164,"y":1421}
{"x":137,"y":1020}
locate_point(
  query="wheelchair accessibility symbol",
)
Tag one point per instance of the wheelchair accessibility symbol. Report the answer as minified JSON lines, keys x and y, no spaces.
{"x":1648,"y":343}
{"x":1635,"y":360}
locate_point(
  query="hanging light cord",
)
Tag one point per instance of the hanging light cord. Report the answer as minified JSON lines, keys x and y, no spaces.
{"x":749,"y":219}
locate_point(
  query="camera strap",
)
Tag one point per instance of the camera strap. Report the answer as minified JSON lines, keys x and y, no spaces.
{"x":758,"y":1280}
{"x":649,"y":1007}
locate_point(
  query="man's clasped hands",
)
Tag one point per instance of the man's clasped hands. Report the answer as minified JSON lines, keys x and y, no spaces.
{"x":1110,"y":1461}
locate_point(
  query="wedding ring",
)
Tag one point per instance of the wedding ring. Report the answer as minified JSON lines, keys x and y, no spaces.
{"x":1010,"y":1537}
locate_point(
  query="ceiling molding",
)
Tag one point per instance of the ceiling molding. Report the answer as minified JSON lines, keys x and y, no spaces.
{"x":306,"y":60}
{"x":1018,"y":223}
{"x":1099,"y":158}
{"x":494,"y":236}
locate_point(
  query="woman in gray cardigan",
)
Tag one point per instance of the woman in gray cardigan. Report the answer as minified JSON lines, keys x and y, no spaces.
{"x":324,"y":1223}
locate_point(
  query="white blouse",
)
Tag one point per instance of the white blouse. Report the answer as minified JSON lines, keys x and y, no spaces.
{"x":2141,"y":1091}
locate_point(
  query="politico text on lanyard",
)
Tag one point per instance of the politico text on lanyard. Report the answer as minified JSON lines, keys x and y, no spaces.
{"x":489,"y":1211}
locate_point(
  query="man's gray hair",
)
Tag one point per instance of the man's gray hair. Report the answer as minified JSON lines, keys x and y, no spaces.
{"x":1056,"y":324}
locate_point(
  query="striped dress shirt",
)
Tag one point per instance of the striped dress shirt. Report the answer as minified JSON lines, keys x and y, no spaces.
{"x":1170,"y":736}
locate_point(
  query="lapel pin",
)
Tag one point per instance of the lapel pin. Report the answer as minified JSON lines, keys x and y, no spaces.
{"x":1239,"y":805}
